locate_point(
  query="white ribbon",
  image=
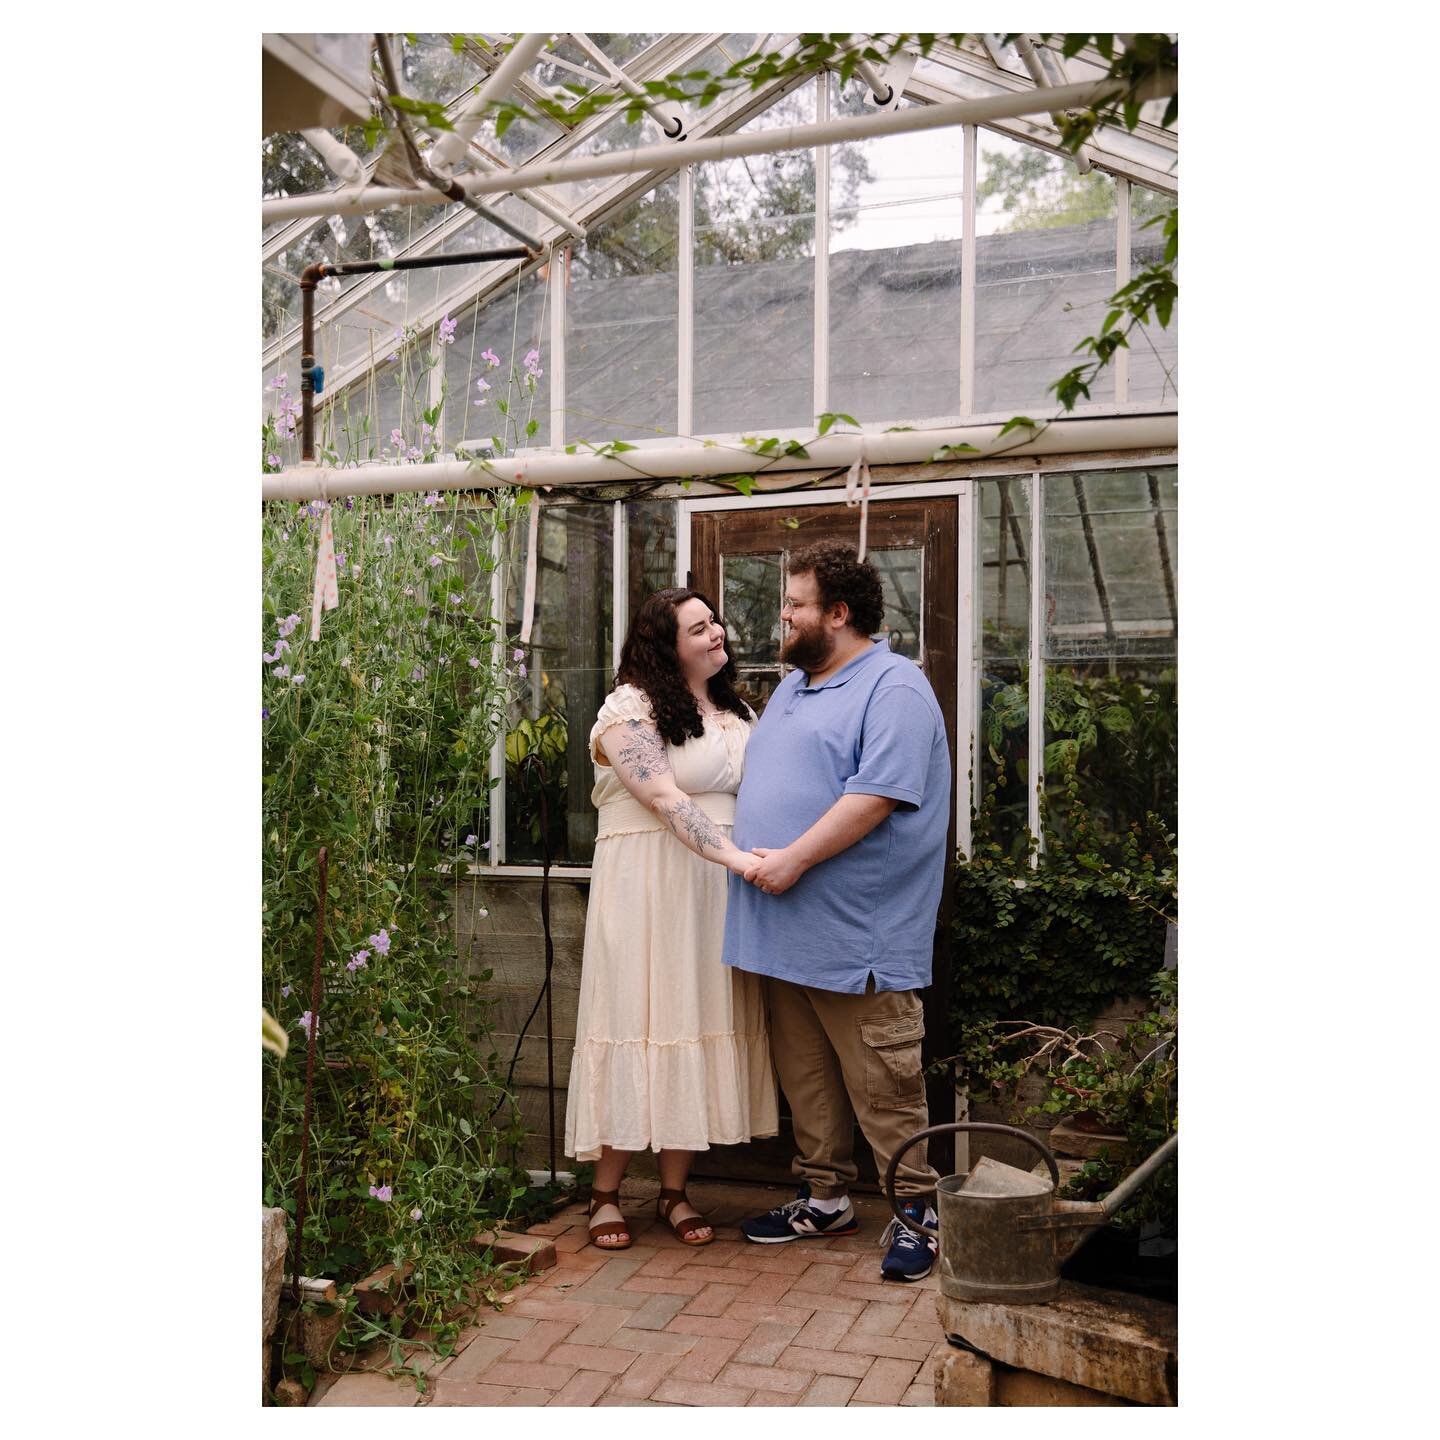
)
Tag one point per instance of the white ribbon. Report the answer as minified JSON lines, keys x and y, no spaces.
{"x":532,"y":545}
{"x":327,"y":590}
{"x":857,"y":484}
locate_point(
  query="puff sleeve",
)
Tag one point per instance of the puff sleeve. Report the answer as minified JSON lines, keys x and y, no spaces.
{"x":624,"y":703}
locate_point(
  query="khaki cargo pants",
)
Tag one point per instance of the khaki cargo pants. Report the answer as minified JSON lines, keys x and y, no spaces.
{"x":846,"y":1057}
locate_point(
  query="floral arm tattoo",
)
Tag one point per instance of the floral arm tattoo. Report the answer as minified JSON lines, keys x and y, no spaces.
{"x":643,"y":752}
{"x":687,"y":815}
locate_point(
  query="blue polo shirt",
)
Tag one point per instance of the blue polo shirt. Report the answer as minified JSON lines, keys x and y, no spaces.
{"x":873,"y":728}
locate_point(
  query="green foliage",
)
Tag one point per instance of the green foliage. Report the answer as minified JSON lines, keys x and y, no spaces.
{"x":1053,"y":944}
{"x":376,"y":745}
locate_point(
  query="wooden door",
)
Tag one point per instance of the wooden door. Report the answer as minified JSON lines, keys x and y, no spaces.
{"x":739,"y":559}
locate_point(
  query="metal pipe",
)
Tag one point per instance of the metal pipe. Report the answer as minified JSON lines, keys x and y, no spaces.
{"x":452,"y":145}
{"x":662,"y":159}
{"x":1041,"y":77}
{"x":313,"y":274}
{"x":876,"y":83}
{"x":669,"y":117}
{"x":701,"y":460}
{"x":340,"y":158}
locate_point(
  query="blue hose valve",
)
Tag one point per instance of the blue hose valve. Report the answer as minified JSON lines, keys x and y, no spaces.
{"x":317,"y":376}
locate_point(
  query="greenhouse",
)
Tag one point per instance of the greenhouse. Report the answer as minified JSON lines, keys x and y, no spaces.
{"x":555,"y":322}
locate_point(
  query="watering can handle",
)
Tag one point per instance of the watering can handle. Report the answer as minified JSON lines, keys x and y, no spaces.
{"x":982,"y":1125}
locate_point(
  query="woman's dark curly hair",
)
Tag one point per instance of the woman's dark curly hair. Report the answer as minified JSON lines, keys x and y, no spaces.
{"x":840,"y":574}
{"x":649,"y":660}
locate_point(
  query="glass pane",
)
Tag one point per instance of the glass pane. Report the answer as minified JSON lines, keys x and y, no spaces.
{"x":902,"y":580}
{"x":750,"y":603}
{"x":569,"y":675}
{"x":621,"y":333}
{"x":1045,"y":266}
{"x":651,"y":531}
{"x":1154,"y":352}
{"x":485,"y":369}
{"x":895,"y":225}
{"x":1004,"y":663}
{"x":755,"y":283}
{"x":1110,"y":648}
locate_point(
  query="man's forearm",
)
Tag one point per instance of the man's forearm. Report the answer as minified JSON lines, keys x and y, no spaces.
{"x":850,"y":818}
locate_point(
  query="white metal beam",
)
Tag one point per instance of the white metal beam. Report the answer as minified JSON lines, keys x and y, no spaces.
{"x":820,"y":350}
{"x":726,"y":147}
{"x":1036,"y":730}
{"x":450,"y":148}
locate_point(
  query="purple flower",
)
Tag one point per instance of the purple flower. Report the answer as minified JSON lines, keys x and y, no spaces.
{"x":409,"y":590}
{"x":473,"y":663}
{"x":396,"y":438}
{"x":412,"y":453}
{"x":523,"y":672}
{"x":287,"y":625}
{"x":416,"y":1213}
{"x":340,"y":558}
{"x":491,"y":359}
{"x":447,"y":330}
{"x":532,"y":364}
{"x":437,"y":560}
{"x":417,"y":673}
{"x":280,"y":381}
{"x":306,"y":1020}
{"x":284,"y":992}
{"x":272,"y":459}
{"x":382,"y":1193}
{"x":433,"y":498}
{"x":456,"y":599}
{"x":485,"y":845}
{"x":357,"y":960}
{"x":517,"y":655}
{"x":381,"y":942}
{"x":470,"y":840}
{"x":300,"y":679}
{"x":387,"y":540}
{"x":264,"y":713}
{"x":280,"y":671}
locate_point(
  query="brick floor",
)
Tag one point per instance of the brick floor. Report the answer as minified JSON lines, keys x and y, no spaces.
{"x":734,"y":1324}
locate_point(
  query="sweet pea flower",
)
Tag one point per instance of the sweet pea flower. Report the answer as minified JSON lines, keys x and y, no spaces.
{"x":523,"y":672}
{"x":517,"y":654}
{"x":305,"y":1022}
{"x":280,"y":382}
{"x":284,"y":992}
{"x":280,"y":671}
{"x":469,"y":840}
{"x":490,"y":358}
{"x":381,"y":942}
{"x":396,"y":438}
{"x":473,"y":663}
{"x":433,"y":498}
{"x":447,"y":330}
{"x":417,"y":673}
{"x":416,"y":1213}
{"x":382,"y":1193}
{"x":288,"y":624}
{"x":456,"y":599}
{"x":272,"y":459}
{"x":300,"y":679}
{"x":437,"y":560}
{"x":264,"y":713}
{"x":357,"y":960}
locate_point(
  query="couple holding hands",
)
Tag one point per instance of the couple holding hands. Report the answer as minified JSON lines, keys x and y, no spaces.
{"x":699,"y":987}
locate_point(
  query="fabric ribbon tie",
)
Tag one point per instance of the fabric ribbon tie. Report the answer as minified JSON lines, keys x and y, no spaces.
{"x":327,"y":589}
{"x":857,"y":492}
{"x":532,"y":543}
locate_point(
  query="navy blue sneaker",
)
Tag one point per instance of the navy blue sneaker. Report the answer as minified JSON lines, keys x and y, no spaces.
{"x":797,"y":1219}
{"x":910,"y":1256}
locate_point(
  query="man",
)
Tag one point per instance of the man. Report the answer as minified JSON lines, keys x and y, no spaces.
{"x":846,"y":799}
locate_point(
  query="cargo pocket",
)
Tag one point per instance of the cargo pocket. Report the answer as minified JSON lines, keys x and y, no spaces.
{"x":894,"y":1078}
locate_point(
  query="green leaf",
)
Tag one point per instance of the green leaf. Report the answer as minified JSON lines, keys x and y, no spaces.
{"x":745,"y":484}
{"x":949,"y":452}
{"x":1018,"y":422}
{"x":531,"y":426}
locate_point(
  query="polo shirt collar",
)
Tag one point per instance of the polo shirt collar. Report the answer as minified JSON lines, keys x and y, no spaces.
{"x":849,"y":669}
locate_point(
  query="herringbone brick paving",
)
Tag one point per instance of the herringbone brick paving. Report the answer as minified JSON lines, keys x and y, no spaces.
{"x":731,"y":1323}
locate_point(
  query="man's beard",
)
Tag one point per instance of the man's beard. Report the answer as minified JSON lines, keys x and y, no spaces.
{"x":810,"y":649}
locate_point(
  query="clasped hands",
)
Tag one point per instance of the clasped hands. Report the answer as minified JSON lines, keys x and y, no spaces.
{"x":773,"y":871}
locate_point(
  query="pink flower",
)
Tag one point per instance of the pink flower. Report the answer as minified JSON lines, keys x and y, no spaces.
{"x":416,"y":1213}
{"x":487,"y":355}
{"x":382,"y":1193}
{"x":381,"y":942}
{"x":357,"y":960}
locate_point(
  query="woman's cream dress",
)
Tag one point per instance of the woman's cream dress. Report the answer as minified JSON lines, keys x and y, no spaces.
{"x":671,"y":1050}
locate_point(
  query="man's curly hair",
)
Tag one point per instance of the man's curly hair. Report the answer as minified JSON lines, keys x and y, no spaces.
{"x":649,"y":660}
{"x":840,"y":574}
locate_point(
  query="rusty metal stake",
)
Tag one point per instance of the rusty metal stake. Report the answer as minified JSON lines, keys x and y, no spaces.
{"x":316,"y":985}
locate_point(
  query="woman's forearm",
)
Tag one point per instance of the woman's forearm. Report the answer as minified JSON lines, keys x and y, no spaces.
{"x":692,"y":827}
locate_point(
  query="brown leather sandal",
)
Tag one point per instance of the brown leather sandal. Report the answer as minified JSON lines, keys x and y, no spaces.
{"x":608,"y":1227}
{"x":684,"y":1230}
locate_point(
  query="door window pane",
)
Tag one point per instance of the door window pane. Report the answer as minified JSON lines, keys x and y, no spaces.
{"x":1154,"y":351}
{"x":902,"y":581}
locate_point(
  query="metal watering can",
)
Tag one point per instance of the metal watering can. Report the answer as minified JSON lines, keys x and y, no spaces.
{"x":1003,"y":1235}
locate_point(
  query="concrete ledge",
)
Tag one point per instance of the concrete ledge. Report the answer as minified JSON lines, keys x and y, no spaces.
{"x":1120,"y":1345}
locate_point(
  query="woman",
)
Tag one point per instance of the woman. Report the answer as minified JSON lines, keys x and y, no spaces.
{"x":671,"y":1051}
